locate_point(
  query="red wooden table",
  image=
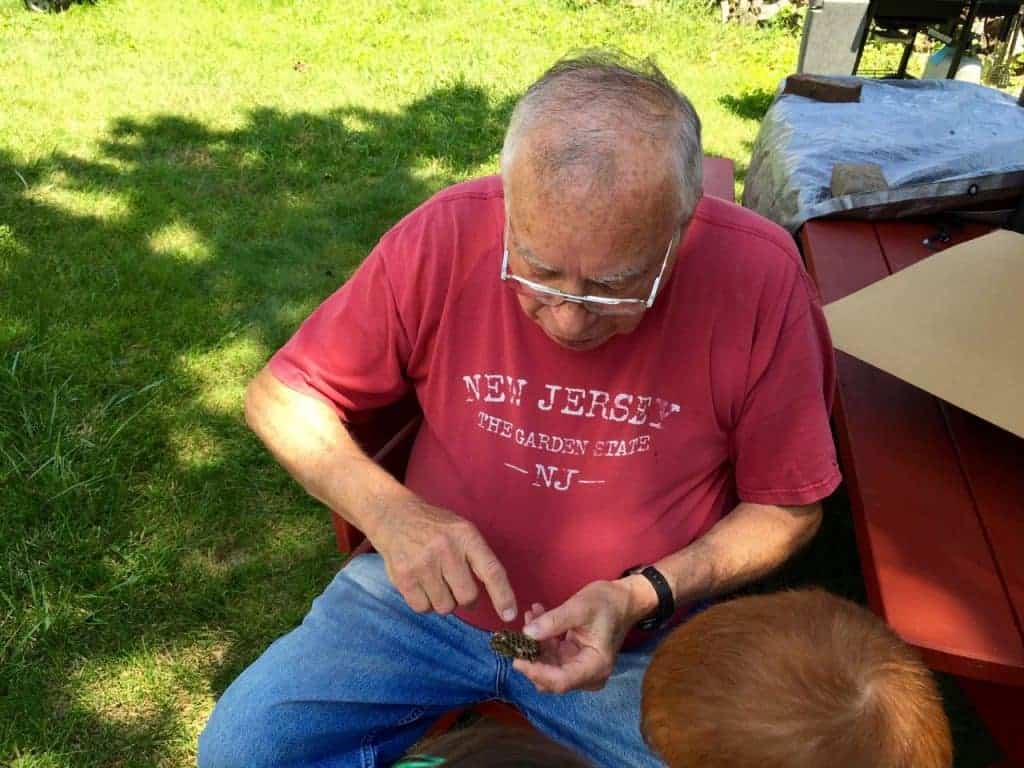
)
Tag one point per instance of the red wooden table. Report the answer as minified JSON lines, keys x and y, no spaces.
{"x":937,"y":495}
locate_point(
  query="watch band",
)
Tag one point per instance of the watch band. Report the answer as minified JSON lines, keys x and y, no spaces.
{"x":666,"y":603}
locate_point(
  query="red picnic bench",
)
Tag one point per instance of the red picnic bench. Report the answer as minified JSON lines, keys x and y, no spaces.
{"x":937,"y":495}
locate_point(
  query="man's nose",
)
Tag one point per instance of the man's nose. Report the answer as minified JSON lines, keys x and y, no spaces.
{"x":570,"y":319}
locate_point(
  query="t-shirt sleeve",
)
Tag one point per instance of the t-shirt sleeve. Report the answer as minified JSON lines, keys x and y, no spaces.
{"x":783,"y":448}
{"x":351,"y":353}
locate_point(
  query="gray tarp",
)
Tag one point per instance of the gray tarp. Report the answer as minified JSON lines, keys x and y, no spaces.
{"x":940,"y":143}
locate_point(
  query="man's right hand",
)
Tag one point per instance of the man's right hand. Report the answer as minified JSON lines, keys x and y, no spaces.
{"x":431,"y":554}
{"x":434,"y":558}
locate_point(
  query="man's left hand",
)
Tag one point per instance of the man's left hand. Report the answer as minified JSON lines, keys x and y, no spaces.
{"x":579,"y":639}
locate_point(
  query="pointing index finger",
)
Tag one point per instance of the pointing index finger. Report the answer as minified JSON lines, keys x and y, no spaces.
{"x":491,"y":572}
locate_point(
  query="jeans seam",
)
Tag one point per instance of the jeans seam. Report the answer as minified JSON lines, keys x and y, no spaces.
{"x":500,"y":675}
{"x":367,"y":749}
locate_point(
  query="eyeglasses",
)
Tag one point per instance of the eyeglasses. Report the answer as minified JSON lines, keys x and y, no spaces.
{"x":598,"y":305}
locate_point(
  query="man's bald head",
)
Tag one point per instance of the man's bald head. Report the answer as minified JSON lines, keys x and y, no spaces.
{"x":595,"y":122}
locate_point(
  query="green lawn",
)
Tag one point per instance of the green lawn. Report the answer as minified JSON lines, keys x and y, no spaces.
{"x":180,"y":184}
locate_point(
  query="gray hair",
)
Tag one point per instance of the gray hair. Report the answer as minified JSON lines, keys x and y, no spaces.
{"x":596,"y":95}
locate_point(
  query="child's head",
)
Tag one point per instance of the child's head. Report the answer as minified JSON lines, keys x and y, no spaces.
{"x":797,"y":679}
{"x":487,"y":745}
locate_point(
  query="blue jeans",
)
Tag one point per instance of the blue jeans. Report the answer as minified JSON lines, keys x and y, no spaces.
{"x":363,"y":678}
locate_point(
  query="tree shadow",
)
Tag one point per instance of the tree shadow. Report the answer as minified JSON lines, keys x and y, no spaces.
{"x":139,"y":286}
{"x":749,"y":105}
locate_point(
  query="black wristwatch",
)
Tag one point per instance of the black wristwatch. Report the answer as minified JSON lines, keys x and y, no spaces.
{"x":666,"y":603}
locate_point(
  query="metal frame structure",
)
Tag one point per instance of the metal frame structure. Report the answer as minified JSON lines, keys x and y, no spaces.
{"x":958,"y":17}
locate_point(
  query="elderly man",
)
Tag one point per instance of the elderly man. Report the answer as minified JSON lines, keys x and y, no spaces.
{"x":625,"y":391}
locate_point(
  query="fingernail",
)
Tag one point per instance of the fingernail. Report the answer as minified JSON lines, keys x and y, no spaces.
{"x":509,"y":614}
{"x":531,"y":630}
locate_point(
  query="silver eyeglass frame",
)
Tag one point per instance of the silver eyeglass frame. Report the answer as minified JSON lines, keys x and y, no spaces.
{"x":539,"y":290}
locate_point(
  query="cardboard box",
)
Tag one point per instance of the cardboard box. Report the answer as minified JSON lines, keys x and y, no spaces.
{"x":952,"y":324}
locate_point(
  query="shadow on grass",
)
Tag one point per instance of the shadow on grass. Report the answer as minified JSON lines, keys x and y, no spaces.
{"x":750,"y":105}
{"x":141,"y":520}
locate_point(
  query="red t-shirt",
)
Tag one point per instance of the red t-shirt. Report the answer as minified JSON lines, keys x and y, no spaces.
{"x":575,"y":465}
